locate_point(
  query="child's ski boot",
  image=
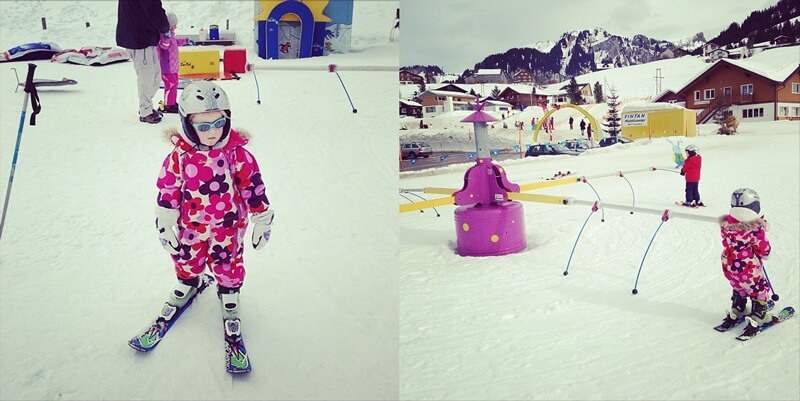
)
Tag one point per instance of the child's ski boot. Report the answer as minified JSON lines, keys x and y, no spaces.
{"x":236,"y":359}
{"x":181,"y":298}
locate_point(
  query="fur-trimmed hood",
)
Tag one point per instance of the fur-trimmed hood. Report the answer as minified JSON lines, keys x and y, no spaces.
{"x":236,"y":138}
{"x":730,"y":223}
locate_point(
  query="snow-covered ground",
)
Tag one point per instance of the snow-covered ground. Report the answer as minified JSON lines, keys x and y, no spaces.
{"x":513,"y":327}
{"x":81,"y":268}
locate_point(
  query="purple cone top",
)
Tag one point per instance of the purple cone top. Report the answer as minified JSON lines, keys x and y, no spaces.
{"x":478,"y":116}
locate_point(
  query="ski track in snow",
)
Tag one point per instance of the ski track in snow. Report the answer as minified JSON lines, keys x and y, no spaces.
{"x":514,"y":327}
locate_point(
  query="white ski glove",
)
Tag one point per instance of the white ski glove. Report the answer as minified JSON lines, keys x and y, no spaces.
{"x":166,"y":219}
{"x":262,"y":227}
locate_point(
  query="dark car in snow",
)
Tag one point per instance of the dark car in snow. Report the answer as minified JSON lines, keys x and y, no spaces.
{"x":549,"y":149}
{"x":613,"y":140}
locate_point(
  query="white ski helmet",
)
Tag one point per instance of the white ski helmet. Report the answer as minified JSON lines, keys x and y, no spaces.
{"x":201,"y":97}
{"x":691,"y":148}
{"x":745,"y":204}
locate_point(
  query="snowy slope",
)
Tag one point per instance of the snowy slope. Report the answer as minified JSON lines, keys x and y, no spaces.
{"x":513,"y":327}
{"x":81,"y":270}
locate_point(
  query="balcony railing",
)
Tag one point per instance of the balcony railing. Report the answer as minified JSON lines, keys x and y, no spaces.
{"x":746,"y":98}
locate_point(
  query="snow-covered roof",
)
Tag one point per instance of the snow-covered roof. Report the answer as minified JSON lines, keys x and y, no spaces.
{"x":447,"y":93}
{"x":490,"y":71}
{"x":520,"y":88}
{"x":775,"y":64}
{"x":643,"y":106}
{"x":498,"y":103}
{"x":446,"y":77}
{"x":410,"y":103}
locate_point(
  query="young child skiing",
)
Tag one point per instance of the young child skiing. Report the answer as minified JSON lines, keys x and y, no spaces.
{"x":691,"y":170}
{"x":744,"y":245}
{"x":207,"y":186}
{"x":676,"y":149}
{"x":168,"y":58}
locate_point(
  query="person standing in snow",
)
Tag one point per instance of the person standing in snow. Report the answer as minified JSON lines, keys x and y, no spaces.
{"x":589,"y":131}
{"x":676,"y":149}
{"x":552,"y":124}
{"x":139,"y":24}
{"x":170,"y":64}
{"x":582,"y":125}
{"x":691,"y":170}
{"x":571,"y":120}
{"x":744,"y":246}
{"x":207,"y":186}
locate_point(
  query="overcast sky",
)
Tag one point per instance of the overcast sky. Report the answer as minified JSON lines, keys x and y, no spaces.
{"x":456,"y":34}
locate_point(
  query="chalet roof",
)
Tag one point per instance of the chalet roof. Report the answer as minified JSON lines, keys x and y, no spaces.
{"x":410,"y":103}
{"x":447,"y":93}
{"x":776,"y":65}
{"x":521,"y":89}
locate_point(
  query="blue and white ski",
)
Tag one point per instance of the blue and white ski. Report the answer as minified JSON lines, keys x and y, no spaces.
{"x":169,"y":315}
{"x":753,"y":330}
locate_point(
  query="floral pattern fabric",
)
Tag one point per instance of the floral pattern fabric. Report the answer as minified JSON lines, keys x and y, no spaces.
{"x":744,"y":245}
{"x":214,"y":189}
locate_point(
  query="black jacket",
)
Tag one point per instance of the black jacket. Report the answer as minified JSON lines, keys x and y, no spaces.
{"x":139,"y":22}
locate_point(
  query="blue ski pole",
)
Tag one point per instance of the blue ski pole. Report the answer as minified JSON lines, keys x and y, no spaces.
{"x":332,"y":68}
{"x":29,"y":88}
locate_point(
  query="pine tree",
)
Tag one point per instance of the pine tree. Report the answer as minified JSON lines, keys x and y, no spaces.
{"x":472,"y":92}
{"x":421,"y":86}
{"x":573,"y":92}
{"x":598,"y":92}
{"x":723,"y":117}
{"x":496,"y":92}
{"x":612,"y":120}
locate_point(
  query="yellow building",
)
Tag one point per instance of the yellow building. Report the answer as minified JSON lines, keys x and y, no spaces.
{"x":655,"y":120}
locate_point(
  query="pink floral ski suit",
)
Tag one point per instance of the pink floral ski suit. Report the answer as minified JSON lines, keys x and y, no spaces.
{"x":744,"y":245}
{"x":214,"y":189}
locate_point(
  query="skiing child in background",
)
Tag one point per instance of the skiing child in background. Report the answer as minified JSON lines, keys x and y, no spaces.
{"x":170,"y":63}
{"x":691,"y":170}
{"x":744,"y":245}
{"x":207,"y":186}
{"x":676,"y":149}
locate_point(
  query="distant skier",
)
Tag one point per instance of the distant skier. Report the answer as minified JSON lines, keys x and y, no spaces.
{"x":691,"y":170}
{"x":170,"y":64}
{"x":208,"y":185}
{"x":571,"y":120}
{"x":676,"y":149}
{"x":552,"y":124}
{"x":589,"y":131}
{"x":582,"y":125}
{"x":744,"y":246}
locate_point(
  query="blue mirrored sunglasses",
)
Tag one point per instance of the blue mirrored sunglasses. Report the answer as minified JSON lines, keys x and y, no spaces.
{"x":203,"y":127}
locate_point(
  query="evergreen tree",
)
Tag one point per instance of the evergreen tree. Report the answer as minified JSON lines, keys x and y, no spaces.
{"x":612,"y":123}
{"x":598,"y":92}
{"x":422,"y":86}
{"x":725,"y":119}
{"x":472,"y":92}
{"x":573,"y":92}
{"x":496,"y":92}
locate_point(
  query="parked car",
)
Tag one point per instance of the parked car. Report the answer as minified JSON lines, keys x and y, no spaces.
{"x":579,"y":145}
{"x":414,"y":150}
{"x":612,"y":140}
{"x":549,"y":149}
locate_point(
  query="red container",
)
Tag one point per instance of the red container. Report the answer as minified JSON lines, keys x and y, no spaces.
{"x":234,"y":60}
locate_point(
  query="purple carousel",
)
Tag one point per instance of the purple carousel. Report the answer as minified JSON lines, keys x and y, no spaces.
{"x":487,"y":222}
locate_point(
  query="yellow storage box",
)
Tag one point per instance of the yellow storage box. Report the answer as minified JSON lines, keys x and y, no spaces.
{"x":199,"y":63}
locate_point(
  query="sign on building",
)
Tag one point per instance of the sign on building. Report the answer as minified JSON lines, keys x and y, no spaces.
{"x":634,"y":119}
